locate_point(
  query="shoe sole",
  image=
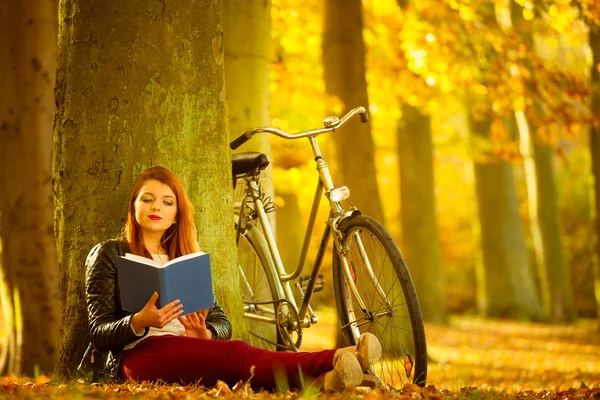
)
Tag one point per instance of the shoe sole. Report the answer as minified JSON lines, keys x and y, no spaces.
{"x":349,"y":370}
{"x":368,"y":351}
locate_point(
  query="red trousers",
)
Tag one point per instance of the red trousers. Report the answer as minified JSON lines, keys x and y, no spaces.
{"x":181,"y":359}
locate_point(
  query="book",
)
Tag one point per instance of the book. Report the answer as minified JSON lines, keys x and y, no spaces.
{"x":187,"y":278}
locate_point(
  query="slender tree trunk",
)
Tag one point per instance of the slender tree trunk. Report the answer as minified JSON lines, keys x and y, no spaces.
{"x":554,"y":276}
{"x":344,"y":68}
{"x":505,"y":281}
{"x":247,"y":26}
{"x":421,"y":246}
{"x":31,"y":309}
{"x":594,"y":38}
{"x":138,"y":84}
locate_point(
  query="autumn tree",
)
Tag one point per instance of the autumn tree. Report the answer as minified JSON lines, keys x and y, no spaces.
{"x":553,"y":274}
{"x":29,"y":268}
{"x":506,"y":287}
{"x":594,"y":40}
{"x":247,"y":27}
{"x":420,"y":238}
{"x":421,"y":248}
{"x":344,"y":71}
{"x":504,"y":276}
{"x":138,"y":84}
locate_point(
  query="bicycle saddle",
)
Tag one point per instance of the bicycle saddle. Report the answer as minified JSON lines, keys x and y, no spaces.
{"x":243,"y":163}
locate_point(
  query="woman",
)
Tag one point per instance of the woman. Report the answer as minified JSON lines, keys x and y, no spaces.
{"x":161,"y":344}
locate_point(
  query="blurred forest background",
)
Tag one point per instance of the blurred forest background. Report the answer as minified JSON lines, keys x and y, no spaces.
{"x":503,"y":84}
{"x":481,"y":156}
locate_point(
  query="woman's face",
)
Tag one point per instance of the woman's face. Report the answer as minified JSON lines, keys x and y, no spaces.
{"x":155,"y":207}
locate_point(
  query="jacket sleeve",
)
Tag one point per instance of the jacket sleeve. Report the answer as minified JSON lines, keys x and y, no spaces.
{"x":109,"y":325}
{"x":218,"y":323}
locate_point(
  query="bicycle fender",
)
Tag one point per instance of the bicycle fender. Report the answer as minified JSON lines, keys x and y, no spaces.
{"x":348,"y":217}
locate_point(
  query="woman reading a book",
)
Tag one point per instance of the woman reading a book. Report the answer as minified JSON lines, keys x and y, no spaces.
{"x":159,"y":344}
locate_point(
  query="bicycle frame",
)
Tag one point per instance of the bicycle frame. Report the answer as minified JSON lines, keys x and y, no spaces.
{"x":337,"y":214}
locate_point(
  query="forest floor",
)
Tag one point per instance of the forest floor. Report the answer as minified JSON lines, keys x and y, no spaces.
{"x":470,"y":358}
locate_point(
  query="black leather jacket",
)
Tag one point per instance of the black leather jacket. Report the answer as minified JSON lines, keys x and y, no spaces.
{"x":109,"y":324}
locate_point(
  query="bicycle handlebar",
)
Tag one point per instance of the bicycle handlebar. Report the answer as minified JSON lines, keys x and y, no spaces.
{"x":331,"y":124}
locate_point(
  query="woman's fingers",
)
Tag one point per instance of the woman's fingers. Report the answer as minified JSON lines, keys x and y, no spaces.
{"x":197,"y":317}
{"x":165,"y":314}
{"x":169,"y":312}
{"x":173,"y":313}
{"x":171,"y":305}
{"x":152,"y":301}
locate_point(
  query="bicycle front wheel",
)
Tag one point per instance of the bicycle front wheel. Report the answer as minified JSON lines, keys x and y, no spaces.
{"x":259,"y":291}
{"x":391,"y":312}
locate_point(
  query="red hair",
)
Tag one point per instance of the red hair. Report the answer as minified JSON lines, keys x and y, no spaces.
{"x":181,"y":237}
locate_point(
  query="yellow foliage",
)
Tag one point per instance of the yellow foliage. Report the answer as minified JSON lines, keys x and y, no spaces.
{"x":433,"y":54}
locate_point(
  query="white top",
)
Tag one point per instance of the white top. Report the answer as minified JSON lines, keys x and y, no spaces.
{"x":172,"y":328}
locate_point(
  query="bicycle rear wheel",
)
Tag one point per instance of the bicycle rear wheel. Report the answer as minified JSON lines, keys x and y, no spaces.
{"x":259,"y":291}
{"x":397,"y":322}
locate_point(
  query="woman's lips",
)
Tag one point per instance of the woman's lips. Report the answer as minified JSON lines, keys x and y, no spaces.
{"x":154,"y":217}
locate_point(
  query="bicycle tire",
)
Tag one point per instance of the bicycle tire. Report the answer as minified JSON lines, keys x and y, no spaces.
{"x":255,"y":261}
{"x":402,"y":334}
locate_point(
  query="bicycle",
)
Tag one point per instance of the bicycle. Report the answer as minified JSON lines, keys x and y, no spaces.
{"x":373,"y":288}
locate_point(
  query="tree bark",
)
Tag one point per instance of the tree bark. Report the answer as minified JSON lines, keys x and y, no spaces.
{"x":344,"y":69}
{"x":138,"y":84}
{"x":594,"y":37}
{"x":554,"y":277}
{"x":504,"y":278}
{"x":420,"y":240}
{"x":29,"y":294}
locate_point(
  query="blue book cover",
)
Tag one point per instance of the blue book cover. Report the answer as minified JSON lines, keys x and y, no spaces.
{"x":187,"y":278}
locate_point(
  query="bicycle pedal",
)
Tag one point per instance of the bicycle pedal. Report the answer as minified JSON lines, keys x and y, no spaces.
{"x":303,"y":280}
{"x":371,"y":381}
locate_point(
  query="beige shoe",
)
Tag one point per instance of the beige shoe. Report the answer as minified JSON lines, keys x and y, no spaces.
{"x":346,"y":372}
{"x":367,"y":351}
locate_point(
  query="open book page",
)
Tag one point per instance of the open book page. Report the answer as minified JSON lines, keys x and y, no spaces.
{"x":148,"y":261}
{"x":142,"y":260}
{"x":183,"y":258}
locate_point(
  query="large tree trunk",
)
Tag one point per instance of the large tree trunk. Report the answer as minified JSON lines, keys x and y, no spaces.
{"x":505,"y":281}
{"x":29,"y":292}
{"x":138,"y":84}
{"x":553,"y":274}
{"x":420,"y":240}
{"x":595,"y":151}
{"x":344,"y":68}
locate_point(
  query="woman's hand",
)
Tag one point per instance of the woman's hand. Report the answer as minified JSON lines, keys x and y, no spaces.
{"x":195,"y":325}
{"x":155,"y":317}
